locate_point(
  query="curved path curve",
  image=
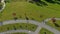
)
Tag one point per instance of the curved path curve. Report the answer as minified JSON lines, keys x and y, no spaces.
{"x":14,"y":31}
{"x":2,"y":1}
{"x":40,"y":25}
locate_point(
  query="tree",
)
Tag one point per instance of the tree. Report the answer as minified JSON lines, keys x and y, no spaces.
{"x":14,"y":14}
{"x":53,"y":20}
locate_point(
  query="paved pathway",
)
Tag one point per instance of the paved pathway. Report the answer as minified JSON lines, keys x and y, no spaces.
{"x":2,"y":1}
{"x":55,"y":31}
{"x":14,"y":31}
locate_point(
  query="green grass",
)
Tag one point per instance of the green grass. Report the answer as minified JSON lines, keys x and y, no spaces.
{"x":50,"y":23}
{"x":18,"y":26}
{"x":18,"y":33}
{"x":32,"y":11}
{"x":45,"y":30}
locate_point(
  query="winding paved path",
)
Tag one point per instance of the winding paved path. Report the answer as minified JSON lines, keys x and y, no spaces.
{"x":14,"y":31}
{"x":2,"y":1}
{"x":40,"y":25}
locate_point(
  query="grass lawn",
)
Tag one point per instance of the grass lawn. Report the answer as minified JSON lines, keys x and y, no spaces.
{"x":50,"y":23}
{"x":32,"y":11}
{"x":18,"y":33}
{"x":43,"y":31}
{"x":18,"y":26}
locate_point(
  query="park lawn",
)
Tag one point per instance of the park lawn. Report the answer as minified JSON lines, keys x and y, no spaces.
{"x":18,"y":26}
{"x":20,"y":10}
{"x":45,"y":30}
{"x":50,"y":23}
{"x":18,"y":33}
{"x":32,"y":11}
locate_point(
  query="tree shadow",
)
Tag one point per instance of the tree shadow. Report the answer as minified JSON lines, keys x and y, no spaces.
{"x":50,"y":1}
{"x":39,"y":2}
{"x":58,"y":2}
{"x":43,"y":3}
{"x":30,"y":1}
{"x":57,"y":25}
{"x":0,"y":1}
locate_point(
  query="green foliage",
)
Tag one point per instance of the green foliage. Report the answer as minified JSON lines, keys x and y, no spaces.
{"x":45,"y":31}
{"x":18,"y":33}
{"x":18,"y":26}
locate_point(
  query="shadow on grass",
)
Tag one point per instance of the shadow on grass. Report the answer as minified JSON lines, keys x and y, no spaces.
{"x":50,"y":1}
{"x":39,"y":2}
{"x":42,"y":3}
